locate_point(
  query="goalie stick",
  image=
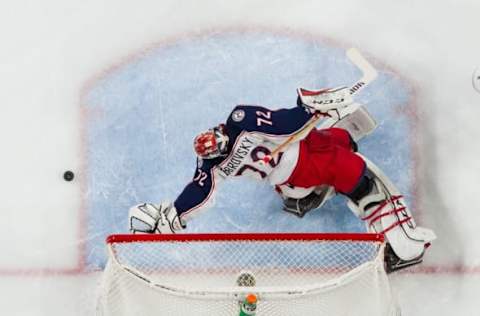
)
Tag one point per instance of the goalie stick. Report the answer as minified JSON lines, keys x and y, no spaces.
{"x":368,"y":75}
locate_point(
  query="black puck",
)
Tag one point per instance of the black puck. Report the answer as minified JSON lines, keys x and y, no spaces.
{"x":68,"y":175}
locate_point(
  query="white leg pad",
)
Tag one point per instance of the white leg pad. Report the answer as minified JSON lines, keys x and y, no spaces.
{"x":392,"y":217}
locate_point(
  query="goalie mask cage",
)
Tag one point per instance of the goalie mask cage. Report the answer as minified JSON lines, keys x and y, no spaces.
{"x":210,"y":274}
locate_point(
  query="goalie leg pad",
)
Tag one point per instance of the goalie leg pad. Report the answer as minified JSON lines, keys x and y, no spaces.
{"x":379,"y":203}
{"x":300,"y":207}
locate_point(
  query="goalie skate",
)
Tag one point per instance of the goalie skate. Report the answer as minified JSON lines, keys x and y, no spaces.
{"x":394,"y":263}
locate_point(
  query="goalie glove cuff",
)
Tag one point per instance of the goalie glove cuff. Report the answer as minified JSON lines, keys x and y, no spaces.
{"x":324,"y":100}
{"x":169,"y":221}
{"x":150,"y":218}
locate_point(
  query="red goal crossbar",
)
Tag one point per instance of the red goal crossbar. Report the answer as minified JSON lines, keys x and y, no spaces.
{"x":125,"y":238}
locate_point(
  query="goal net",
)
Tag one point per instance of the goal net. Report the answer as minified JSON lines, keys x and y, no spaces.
{"x":211,"y":274}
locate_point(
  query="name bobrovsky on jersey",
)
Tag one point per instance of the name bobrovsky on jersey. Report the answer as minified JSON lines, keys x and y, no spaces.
{"x":240,"y":152}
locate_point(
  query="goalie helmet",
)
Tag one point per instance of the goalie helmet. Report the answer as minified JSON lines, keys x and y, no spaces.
{"x":212,"y":143}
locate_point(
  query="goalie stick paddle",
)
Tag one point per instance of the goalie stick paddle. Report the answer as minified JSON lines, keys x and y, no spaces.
{"x":368,"y":75}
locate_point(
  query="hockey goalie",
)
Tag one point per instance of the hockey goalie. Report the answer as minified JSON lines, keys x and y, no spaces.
{"x":307,"y":171}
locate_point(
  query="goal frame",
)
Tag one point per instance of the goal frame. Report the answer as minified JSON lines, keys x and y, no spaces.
{"x":254,"y":237}
{"x":268,"y":294}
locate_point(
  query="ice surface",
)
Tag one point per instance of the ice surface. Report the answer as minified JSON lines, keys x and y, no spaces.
{"x":116,"y":92}
{"x":146,"y":114}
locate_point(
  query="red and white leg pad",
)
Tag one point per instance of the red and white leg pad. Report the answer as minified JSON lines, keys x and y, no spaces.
{"x":385,"y":211}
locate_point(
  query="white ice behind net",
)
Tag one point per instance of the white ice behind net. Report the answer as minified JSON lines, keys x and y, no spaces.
{"x":291,"y":277}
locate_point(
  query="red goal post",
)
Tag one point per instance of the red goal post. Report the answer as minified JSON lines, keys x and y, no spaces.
{"x":209,"y":274}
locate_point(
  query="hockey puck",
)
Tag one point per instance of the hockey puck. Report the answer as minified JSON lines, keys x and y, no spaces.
{"x":68,"y":175}
{"x":476,"y":79}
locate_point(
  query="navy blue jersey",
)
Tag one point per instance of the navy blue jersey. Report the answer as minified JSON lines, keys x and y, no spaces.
{"x":253,"y":132}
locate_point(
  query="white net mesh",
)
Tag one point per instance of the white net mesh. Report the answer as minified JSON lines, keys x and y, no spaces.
{"x":291,"y":276}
